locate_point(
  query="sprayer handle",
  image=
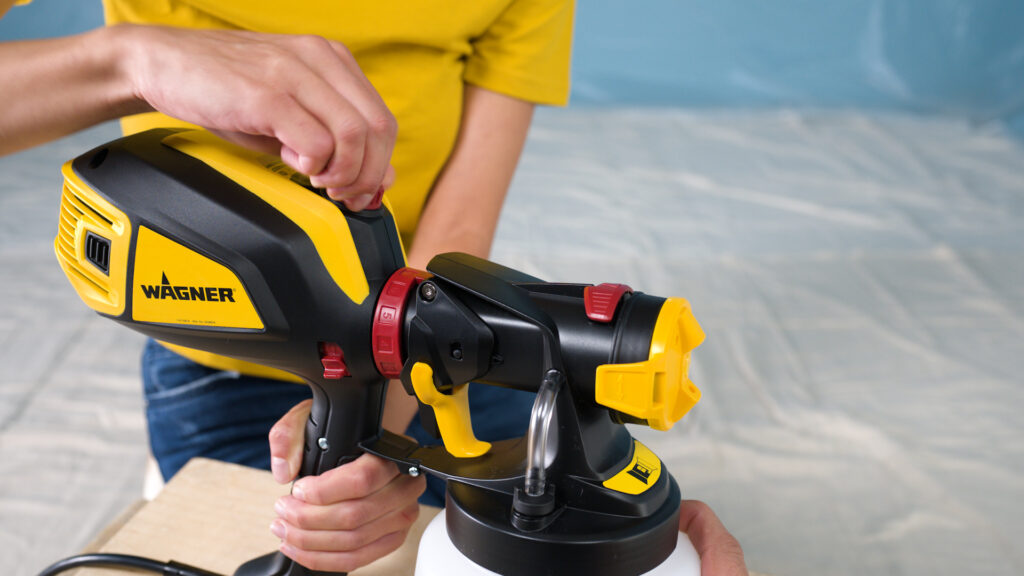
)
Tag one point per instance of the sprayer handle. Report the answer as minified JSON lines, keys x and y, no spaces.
{"x":345,"y":412}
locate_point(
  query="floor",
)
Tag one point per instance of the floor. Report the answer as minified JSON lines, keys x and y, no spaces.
{"x":72,"y":433}
{"x":859,"y":277}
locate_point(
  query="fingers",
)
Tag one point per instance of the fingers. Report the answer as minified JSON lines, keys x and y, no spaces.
{"x":286,"y":438}
{"x":348,"y":516}
{"x":373,"y":201}
{"x":339,"y":540}
{"x":389,"y":178}
{"x":350,"y":107}
{"x":296,"y":128}
{"x":361,"y":477}
{"x":305,"y":94}
{"x":345,"y":561}
{"x":720,"y":553}
{"x":348,"y":132}
{"x":376,"y":158}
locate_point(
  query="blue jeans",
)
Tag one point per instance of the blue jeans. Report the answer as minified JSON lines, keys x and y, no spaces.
{"x":192,"y":410}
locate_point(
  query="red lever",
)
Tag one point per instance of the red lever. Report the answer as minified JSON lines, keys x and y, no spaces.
{"x":333,"y":359}
{"x":601,"y":301}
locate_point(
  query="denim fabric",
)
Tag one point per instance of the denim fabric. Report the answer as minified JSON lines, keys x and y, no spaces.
{"x":194,"y":411}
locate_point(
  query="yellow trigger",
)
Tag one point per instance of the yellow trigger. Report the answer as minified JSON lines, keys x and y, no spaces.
{"x":451,"y":412}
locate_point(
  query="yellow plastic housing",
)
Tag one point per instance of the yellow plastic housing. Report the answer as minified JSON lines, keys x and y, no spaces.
{"x":176,"y":285}
{"x":642,"y":472}
{"x":658,"y":389}
{"x":83,"y":211}
{"x":317,"y":216}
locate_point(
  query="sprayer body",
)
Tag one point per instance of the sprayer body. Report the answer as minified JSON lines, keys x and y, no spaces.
{"x":201,"y":244}
{"x":577,"y":495}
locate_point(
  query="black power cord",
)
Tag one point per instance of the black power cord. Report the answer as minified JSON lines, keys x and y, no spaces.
{"x":171,"y":568}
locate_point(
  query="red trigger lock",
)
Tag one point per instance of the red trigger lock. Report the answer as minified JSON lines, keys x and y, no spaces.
{"x":601,"y":301}
{"x":332,"y":357}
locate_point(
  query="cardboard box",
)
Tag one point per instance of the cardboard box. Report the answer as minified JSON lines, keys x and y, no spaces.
{"x":216,"y":516}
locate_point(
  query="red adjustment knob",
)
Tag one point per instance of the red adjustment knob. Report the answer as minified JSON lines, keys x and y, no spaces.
{"x":601,"y":301}
{"x":387,"y":320}
{"x":333,"y":360}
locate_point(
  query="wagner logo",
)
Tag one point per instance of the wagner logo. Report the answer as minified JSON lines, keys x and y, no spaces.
{"x":165,"y":291}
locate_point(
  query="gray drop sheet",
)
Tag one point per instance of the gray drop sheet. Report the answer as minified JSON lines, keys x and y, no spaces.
{"x":859,"y":277}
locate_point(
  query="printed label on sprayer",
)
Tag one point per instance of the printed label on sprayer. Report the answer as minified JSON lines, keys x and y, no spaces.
{"x":176,"y":285}
{"x":641,"y":473}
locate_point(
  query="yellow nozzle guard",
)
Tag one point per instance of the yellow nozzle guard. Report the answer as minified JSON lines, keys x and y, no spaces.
{"x":658,"y":389}
{"x":451,"y":412}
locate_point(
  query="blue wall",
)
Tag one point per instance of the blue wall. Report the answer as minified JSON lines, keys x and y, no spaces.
{"x":948,"y":56}
{"x":46,"y":18}
{"x":956,"y":56}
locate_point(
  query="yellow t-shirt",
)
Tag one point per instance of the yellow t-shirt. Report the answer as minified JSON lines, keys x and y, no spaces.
{"x":418,"y":54}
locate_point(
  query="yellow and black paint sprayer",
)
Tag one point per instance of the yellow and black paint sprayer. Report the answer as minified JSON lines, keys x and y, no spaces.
{"x":202,"y":244}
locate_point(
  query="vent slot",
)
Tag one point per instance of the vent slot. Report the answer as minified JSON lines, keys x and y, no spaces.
{"x":74,"y":213}
{"x":97,"y":251}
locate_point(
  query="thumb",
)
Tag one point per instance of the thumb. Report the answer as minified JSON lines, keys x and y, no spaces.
{"x":286,"y":439}
{"x":720,"y":552}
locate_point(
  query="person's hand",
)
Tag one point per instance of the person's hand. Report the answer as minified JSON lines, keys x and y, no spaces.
{"x":720,"y":553}
{"x":302,"y":97}
{"x":346,"y":517}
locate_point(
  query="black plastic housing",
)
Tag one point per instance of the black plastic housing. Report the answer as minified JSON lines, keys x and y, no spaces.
{"x":528,"y":330}
{"x":301,"y":306}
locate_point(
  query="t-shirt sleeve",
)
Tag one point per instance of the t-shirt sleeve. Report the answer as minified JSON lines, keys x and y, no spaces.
{"x":525,"y":53}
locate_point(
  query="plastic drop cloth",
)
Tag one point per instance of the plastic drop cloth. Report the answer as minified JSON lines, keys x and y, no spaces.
{"x":858,"y":276}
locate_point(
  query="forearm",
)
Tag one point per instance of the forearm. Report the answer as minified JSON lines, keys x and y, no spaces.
{"x":462,"y":212}
{"x":57,"y":86}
